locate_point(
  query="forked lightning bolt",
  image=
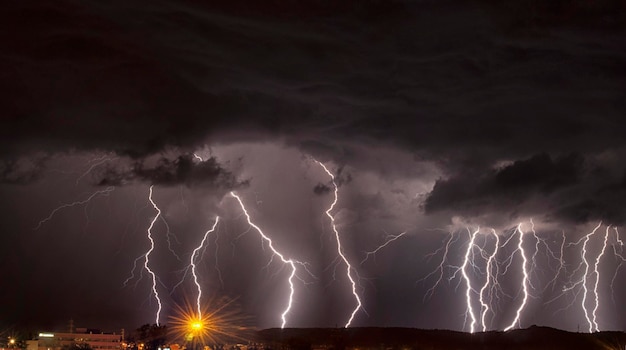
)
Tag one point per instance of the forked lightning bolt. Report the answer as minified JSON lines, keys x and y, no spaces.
{"x":583,"y":281}
{"x":597,"y":273}
{"x":589,"y":269}
{"x":104,"y":192}
{"x":525,"y":279}
{"x":468,"y":284}
{"x":146,"y":263}
{"x":286,"y":261}
{"x":446,"y":250}
{"x":192,"y":263}
{"x":339,"y":246}
{"x":491,"y":262}
{"x":390,"y":239}
{"x":620,"y":258}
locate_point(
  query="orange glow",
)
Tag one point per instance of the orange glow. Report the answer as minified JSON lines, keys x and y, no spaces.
{"x":220,"y":323}
{"x":196,"y":325}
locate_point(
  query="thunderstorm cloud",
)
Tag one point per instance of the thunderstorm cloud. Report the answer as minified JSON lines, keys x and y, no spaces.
{"x":427,"y":112}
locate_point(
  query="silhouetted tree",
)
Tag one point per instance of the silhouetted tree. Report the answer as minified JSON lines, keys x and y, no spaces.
{"x":152,"y":336}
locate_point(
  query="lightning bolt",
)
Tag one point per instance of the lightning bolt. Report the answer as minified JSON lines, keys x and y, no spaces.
{"x":192,"y":263}
{"x":439,"y":270}
{"x":597,"y":273}
{"x":104,"y":192}
{"x":390,"y":238}
{"x":96,"y":162}
{"x":525,"y":279}
{"x":621,"y":259}
{"x":583,"y":281}
{"x":339,"y":246}
{"x":290,"y":262}
{"x":146,"y":263}
{"x":489,"y":278}
{"x":468,"y":284}
{"x":536,"y":252}
{"x":168,"y":235}
{"x":560,"y":260}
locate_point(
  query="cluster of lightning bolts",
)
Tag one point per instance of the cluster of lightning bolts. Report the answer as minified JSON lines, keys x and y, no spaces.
{"x":482,"y":301}
{"x":490,"y":266}
{"x":291,"y":263}
{"x":196,"y":254}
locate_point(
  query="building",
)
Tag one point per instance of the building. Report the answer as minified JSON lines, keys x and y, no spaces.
{"x":96,"y":340}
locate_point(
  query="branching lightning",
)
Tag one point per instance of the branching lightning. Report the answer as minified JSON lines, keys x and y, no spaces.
{"x":96,"y":162}
{"x":104,"y":192}
{"x":290,"y":262}
{"x":389,"y":239}
{"x":491,"y":262}
{"x":468,"y":283}
{"x":440,"y":268}
{"x":339,"y":246}
{"x":597,"y":273}
{"x":619,"y":257}
{"x":583,"y":281}
{"x":479,"y":258}
{"x":525,"y":279}
{"x":192,"y":263}
{"x":147,"y":257}
{"x":489,"y":294}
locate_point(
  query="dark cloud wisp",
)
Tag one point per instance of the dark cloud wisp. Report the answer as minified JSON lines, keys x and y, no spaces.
{"x":183,"y":170}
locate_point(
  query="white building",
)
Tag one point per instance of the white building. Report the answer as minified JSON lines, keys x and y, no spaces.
{"x":65,"y":341}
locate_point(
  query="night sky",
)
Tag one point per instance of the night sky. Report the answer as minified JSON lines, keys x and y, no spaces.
{"x":435,"y":117}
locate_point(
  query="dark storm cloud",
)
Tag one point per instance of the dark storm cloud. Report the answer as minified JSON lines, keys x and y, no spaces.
{"x":568,"y":188}
{"x":512,"y":184}
{"x":393,"y":94}
{"x":183,"y":170}
{"x":604,"y":204}
{"x":427,"y":76}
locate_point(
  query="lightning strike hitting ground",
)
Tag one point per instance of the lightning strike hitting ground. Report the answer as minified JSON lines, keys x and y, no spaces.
{"x":146,"y":263}
{"x":289,"y":262}
{"x":339,"y":246}
{"x":525,"y":280}
{"x":583,"y":281}
{"x":390,"y":238}
{"x":597,"y":273}
{"x":192,"y":263}
{"x":468,"y":284}
{"x":488,"y":280}
{"x":489,"y":293}
{"x":104,"y":192}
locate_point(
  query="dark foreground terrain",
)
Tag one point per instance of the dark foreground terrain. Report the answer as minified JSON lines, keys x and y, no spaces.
{"x":408,"y":338}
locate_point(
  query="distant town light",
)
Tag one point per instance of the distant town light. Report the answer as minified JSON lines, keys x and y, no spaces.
{"x":46,"y":335}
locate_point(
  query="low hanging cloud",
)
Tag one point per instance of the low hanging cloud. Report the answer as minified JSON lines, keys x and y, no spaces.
{"x":517,"y":187}
{"x":183,"y":170}
{"x":604,"y":204}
